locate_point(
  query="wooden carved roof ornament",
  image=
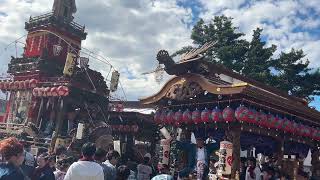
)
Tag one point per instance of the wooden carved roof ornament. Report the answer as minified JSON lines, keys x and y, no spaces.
{"x":183,"y":90}
{"x":196,"y":53}
{"x":171,"y":67}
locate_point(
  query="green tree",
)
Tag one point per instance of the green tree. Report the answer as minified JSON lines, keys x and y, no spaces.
{"x":289,"y":72}
{"x":230,"y":49}
{"x":258,"y":59}
{"x":294,"y":76}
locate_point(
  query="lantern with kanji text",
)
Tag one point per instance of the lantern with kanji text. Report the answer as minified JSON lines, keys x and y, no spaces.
{"x":228,"y":114}
{"x":186,"y":116}
{"x":216,"y":115}
{"x":205,"y":115}
{"x":196,"y":116}
{"x":252,"y":115}
{"x":33,"y":83}
{"x":169,"y":117}
{"x":241,"y":113}
{"x":54,"y":91}
{"x":261,"y":118}
{"x":178,"y":118}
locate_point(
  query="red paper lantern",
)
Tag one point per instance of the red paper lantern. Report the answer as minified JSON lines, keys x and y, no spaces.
{"x":216,"y":115}
{"x":178,"y":117}
{"x":186,"y":116}
{"x":163,"y":117}
{"x":308,"y":131}
{"x":63,"y":91}
{"x":271,"y":121}
{"x":47,"y":91}
{"x":252,"y":115}
{"x":278,"y":123}
{"x":241,"y":113}
{"x":6,"y":85}
{"x":16,"y":85}
{"x":11,"y":85}
{"x":33,"y":83}
{"x":261,"y":118}
{"x":228,"y":114}
{"x":54,"y":91}
{"x":41,"y":92}
{"x":196,"y":116}
{"x":286,"y":125}
{"x":157,"y":117}
{"x":21,"y":85}
{"x":295,"y":127}
{"x":300,"y":130}
{"x":316,"y":134}
{"x":35,"y":92}
{"x":26,"y":84}
{"x":205,"y":115}
{"x":169,"y":117}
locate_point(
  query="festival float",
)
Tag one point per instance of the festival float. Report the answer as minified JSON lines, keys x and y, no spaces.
{"x":54,"y":97}
{"x":233,"y":112}
{"x":133,"y":128}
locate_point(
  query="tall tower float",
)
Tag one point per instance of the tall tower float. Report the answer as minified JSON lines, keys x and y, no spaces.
{"x":49,"y":87}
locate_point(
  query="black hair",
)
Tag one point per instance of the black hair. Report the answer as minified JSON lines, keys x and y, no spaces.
{"x":112,"y":154}
{"x":88,"y":149}
{"x":252,"y":159}
{"x":100,"y":154}
{"x":45,"y":156}
{"x":146,"y":160}
{"x":123,"y":172}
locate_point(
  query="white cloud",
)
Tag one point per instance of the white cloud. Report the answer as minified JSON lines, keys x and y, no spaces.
{"x":282,"y":21}
{"x":128,"y":32}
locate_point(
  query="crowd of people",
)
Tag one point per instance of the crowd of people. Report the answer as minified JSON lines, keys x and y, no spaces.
{"x":94,"y":163}
{"x":251,"y":170}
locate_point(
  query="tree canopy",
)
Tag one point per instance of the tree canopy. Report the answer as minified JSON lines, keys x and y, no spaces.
{"x":288,"y":71}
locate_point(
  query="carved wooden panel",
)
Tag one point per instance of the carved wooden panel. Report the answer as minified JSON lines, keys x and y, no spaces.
{"x":184,"y":90}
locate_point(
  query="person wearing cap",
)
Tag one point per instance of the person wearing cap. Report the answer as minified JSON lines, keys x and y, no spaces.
{"x":144,"y":170}
{"x":198,"y":155}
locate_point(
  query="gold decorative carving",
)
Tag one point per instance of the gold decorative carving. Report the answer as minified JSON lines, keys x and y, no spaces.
{"x":184,"y":90}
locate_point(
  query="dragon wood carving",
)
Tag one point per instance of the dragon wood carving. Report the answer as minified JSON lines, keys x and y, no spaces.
{"x":184,"y":90}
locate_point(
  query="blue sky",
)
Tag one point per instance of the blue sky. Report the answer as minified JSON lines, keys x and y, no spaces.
{"x":130,"y":32}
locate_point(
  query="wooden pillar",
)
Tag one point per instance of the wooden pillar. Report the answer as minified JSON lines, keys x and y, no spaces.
{"x":315,"y":162}
{"x":130,"y":144}
{"x":279,"y":151}
{"x":235,"y":134}
{"x":60,"y":118}
{"x":122,"y":139}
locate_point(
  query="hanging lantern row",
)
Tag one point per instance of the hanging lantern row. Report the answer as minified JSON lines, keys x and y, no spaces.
{"x":51,"y":91}
{"x":241,"y":114}
{"x":125,"y":128}
{"x":16,"y":85}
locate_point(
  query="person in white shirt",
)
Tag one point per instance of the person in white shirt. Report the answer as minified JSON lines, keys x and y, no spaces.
{"x":111,"y":163}
{"x":85,"y":168}
{"x":253,"y":172}
{"x":144,"y":170}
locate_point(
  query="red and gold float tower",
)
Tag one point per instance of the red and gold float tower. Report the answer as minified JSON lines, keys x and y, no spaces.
{"x":46,"y":79}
